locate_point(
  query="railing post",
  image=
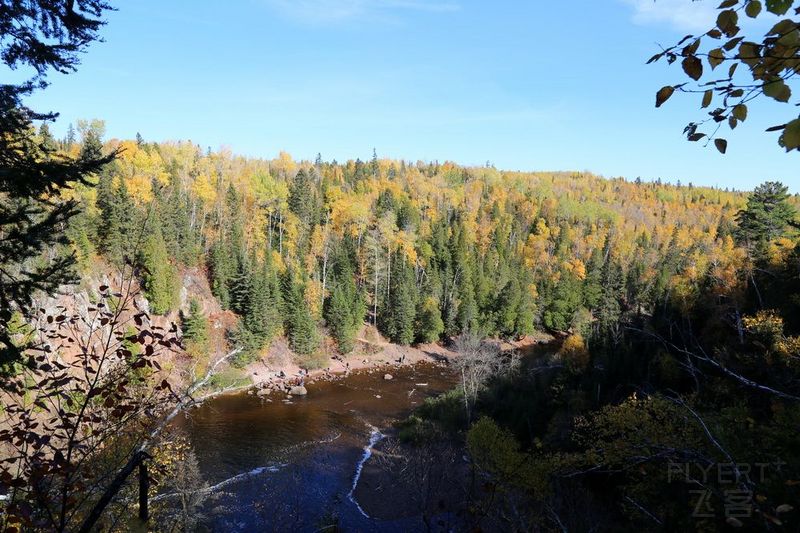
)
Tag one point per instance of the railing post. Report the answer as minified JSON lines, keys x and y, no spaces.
{"x":144,"y":488}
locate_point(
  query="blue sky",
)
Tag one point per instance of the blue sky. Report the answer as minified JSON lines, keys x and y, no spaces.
{"x":527,"y":85}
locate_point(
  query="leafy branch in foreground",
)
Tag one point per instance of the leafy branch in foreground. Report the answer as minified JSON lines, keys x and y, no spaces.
{"x":87,"y":390}
{"x":755,"y":68}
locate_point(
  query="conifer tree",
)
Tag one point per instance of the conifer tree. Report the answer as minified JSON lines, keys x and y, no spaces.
{"x":767,"y":215}
{"x":115,"y":230}
{"x":430,"y":325}
{"x":399,"y":311}
{"x":263,"y":314}
{"x":39,"y":37}
{"x":301,"y":197}
{"x":221,"y":268}
{"x":195,"y":328}
{"x":300,"y":327}
{"x":159,"y":276}
{"x":342,"y":314}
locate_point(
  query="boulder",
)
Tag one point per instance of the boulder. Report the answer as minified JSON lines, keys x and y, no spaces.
{"x":387,"y":377}
{"x":299,"y":390}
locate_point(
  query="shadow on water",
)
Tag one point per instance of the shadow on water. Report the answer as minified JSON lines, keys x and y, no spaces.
{"x":291,"y":466}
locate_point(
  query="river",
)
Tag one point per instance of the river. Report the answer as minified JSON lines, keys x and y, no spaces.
{"x":276,"y":466}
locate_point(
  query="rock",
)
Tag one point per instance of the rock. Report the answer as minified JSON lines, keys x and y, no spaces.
{"x":387,"y":377}
{"x":263,"y":392}
{"x":299,"y":390}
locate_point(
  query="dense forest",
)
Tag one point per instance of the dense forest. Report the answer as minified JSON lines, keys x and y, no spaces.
{"x":667,"y":395}
{"x":677,"y":306}
{"x":424,"y":251}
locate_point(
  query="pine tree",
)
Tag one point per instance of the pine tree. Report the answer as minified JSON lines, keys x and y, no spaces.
{"x":399,"y":311}
{"x":506,"y":308}
{"x":37,"y":38}
{"x":263,"y":315}
{"x":240,"y":286}
{"x":159,"y":276}
{"x":564,"y":299}
{"x":195,"y":329}
{"x":346,"y":306}
{"x":301,"y":197}
{"x":300,"y":326}
{"x":116,"y":233}
{"x":430,"y":325}
{"x":221,"y":270}
{"x":767,"y":215}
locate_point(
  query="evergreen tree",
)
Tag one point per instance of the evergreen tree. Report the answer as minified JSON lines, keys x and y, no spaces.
{"x":767,"y":215}
{"x":221,"y":271}
{"x":344,"y":314}
{"x":159,"y":276}
{"x":300,"y":326}
{"x":39,"y":37}
{"x":301,"y":197}
{"x":399,"y":311}
{"x":564,"y":300}
{"x":430,"y":325}
{"x":506,"y":308}
{"x":195,"y":328}
{"x":115,"y":230}
{"x":263,"y":315}
{"x":240,"y":286}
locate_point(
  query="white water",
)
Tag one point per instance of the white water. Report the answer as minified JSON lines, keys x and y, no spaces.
{"x":222,"y":484}
{"x":374,"y":438}
{"x":271,"y":468}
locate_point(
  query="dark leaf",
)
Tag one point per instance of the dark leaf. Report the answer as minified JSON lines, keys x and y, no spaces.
{"x":779,"y":7}
{"x":778,"y":90}
{"x":663,"y":94}
{"x":753,"y":8}
{"x":693,"y":67}
{"x":791,"y":135}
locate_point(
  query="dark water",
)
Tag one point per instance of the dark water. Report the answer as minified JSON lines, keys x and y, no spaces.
{"x":290,"y":467}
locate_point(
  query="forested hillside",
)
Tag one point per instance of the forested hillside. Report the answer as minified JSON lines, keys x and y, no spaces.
{"x":425,"y":251}
{"x":677,"y":307}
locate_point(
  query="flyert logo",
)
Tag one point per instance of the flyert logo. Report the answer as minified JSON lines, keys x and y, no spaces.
{"x":735,"y":479}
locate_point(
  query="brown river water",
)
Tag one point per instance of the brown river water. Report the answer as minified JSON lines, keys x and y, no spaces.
{"x":276,"y":466}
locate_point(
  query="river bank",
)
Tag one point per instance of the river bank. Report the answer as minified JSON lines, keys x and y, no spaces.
{"x":279,"y":371}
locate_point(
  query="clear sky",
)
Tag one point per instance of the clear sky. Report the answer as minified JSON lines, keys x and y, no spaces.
{"x":525,"y":84}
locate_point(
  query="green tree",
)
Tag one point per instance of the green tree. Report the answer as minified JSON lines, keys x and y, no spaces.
{"x":195,"y":328}
{"x":399,"y":310}
{"x":263,"y":314}
{"x":300,"y":327}
{"x":430,"y":325}
{"x":301,"y":196}
{"x":767,"y":216}
{"x":116,"y":232}
{"x":159,"y":275}
{"x":40,"y":36}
